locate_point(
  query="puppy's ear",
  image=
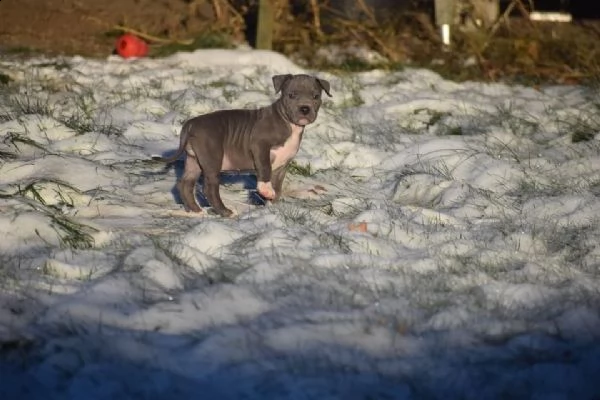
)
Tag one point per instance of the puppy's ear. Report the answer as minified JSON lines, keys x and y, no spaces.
{"x":324,"y":85}
{"x":279,"y":80}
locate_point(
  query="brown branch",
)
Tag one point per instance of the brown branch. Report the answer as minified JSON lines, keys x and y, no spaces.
{"x":367,"y":10}
{"x":218,"y":10}
{"x":151,"y":38}
{"x":354,"y":28}
{"x":503,"y":17}
{"x":316,"y":11}
{"x":523,"y":10}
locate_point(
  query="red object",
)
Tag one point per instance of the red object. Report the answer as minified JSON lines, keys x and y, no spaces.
{"x":129,"y":45}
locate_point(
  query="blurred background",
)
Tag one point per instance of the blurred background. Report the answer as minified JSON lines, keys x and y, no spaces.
{"x":489,"y":39}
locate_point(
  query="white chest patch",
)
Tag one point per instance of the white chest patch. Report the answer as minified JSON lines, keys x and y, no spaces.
{"x":281,"y":155}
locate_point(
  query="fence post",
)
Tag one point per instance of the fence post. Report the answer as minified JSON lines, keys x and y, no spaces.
{"x":444,"y":17}
{"x":265,"y":25}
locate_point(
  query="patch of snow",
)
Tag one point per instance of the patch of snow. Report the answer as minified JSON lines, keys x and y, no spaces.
{"x":438,"y":239}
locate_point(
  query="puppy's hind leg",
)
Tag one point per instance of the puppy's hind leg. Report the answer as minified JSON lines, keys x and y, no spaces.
{"x":211,"y":191}
{"x":187,"y":183}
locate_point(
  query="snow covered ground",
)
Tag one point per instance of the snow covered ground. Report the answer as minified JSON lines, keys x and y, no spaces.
{"x":439,"y":240}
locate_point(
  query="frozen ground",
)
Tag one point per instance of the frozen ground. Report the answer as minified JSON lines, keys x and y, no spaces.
{"x":438,"y":241}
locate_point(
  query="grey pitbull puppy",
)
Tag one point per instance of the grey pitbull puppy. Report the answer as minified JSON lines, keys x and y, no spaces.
{"x":264,"y":140}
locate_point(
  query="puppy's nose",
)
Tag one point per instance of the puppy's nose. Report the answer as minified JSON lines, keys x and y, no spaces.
{"x":304,"y":109}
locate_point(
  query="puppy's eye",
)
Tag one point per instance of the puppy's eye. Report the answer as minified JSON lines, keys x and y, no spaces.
{"x":292,"y":95}
{"x":317,"y":96}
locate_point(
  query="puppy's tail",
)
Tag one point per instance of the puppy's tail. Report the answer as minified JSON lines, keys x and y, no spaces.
{"x":183,"y":138}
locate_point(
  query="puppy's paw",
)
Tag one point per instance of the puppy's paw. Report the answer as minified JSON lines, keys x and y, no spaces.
{"x":265,"y":189}
{"x":227,"y":213}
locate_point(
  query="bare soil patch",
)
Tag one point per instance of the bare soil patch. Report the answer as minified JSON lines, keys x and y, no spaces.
{"x":87,"y":27}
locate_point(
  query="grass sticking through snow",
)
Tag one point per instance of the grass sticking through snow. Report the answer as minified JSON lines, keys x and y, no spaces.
{"x":29,"y":105}
{"x":72,"y":234}
{"x":296,"y":169}
{"x":14,"y":139}
{"x":82,"y":124}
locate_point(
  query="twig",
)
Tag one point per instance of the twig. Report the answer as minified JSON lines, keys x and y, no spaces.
{"x":425,"y":22}
{"x":316,"y":17}
{"x":523,"y":10}
{"x":235,"y":12}
{"x":151,"y":38}
{"x":353,"y":28}
{"x":218,"y":10}
{"x":230,"y":17}
{"x":503,"y":17}
{"x":143,"y":35}
{"x":366,"y":10}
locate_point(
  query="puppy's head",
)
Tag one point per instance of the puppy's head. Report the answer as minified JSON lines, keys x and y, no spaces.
{"x":300,"y":96}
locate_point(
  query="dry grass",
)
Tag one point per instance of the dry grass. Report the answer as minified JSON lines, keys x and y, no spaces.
{"x":514,"y":49}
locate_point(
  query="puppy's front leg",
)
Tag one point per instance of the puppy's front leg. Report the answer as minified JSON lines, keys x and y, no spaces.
{"x":277,"y":179}
{"x":261,"y":153}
